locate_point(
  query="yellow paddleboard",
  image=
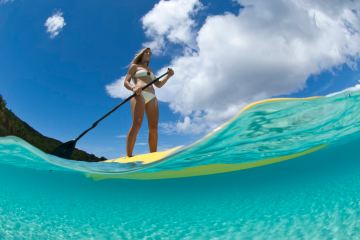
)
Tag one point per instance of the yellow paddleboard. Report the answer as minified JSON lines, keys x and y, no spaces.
{"x":201,"y":170}
{"x":145,"y":158}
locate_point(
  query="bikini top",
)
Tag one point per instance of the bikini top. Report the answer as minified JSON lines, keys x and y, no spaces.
{"x":144,"y":73}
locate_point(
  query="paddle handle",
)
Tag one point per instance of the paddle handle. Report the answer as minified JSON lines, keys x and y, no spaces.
{"x":114,"y":109}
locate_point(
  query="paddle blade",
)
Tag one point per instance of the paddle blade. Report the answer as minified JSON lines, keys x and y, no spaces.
{"x":65,"y":150}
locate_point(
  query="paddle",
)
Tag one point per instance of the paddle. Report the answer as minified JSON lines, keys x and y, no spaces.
{"x":66,"y":149}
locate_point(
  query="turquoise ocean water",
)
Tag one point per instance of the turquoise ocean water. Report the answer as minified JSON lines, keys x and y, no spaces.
{"x":307,"y":187}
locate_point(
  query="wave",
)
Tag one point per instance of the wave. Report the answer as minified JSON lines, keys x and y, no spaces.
{"x":262,"y":133}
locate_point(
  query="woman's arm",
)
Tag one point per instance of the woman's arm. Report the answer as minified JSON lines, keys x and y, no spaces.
{"x":161,"y":83}
{"x":130,"y":73}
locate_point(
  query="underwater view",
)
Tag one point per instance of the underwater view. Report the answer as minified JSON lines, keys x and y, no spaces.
{"x":280,"y":169}
{"x":180,"y":119}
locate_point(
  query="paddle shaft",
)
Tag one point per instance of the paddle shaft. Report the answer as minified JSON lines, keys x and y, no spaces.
{"x":114,"y":109}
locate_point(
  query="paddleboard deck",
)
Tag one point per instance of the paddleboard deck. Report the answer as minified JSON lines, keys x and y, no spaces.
{"x":146,"y":158}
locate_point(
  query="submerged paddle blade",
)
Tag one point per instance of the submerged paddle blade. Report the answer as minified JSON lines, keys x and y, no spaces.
{"x":65,"y":150}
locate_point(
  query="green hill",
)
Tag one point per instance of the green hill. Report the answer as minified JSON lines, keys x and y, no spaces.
{"x":10,"y":124}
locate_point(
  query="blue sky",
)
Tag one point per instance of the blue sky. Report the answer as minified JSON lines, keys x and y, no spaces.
{"x":60,"y":85}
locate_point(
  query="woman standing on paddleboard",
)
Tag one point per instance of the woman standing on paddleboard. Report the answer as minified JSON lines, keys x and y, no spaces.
{"x":144,"y":100}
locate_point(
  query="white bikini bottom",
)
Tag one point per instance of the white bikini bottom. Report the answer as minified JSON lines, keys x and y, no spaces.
{"x":147,"y":96}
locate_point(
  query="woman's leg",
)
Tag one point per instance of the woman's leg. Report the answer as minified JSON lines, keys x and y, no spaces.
{"x":152,"y":114}
{"x":137,"y":109}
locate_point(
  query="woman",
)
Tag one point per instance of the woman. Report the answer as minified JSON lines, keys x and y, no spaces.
{"x":144,"y":100}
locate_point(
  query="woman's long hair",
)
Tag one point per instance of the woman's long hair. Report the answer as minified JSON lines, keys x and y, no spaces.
{"x":138,"y":56}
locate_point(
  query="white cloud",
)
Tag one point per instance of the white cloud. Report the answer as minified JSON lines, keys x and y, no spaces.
{"x":117,"y":89}
{"x":5,"y":1}
{"x":121,"y":136}
{"x":142,"y":143}
{"x":269,"y":48}
{"x":55,"y":24}
{"x":355,"y":88}
{"x":170,"y":21}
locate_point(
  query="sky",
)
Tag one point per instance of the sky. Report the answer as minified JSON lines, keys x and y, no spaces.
{"x":63,"y":63}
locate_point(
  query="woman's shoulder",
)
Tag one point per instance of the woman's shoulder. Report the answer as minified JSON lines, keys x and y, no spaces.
{"x":134,"y":65}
